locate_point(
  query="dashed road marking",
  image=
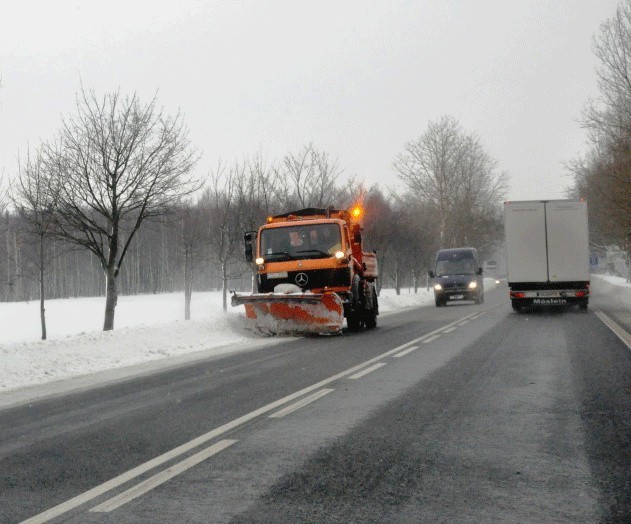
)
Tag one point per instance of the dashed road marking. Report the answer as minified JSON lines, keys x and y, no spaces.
{"x":405,"y":352}
{"x":449,"y":330}
{"x":161,"y":478}
{"x":301,"y":403}
{"x":125,"y":477}
{"x":372,"y":368}
{"x":431,"y":339}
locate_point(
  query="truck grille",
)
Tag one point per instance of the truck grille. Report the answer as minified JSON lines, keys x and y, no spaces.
{"x":317,"y":278}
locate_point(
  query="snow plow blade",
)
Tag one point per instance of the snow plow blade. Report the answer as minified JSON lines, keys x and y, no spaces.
{"x":295,"y":313}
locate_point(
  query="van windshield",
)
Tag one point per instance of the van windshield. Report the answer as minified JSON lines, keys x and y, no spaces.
{"x":457,"y":263}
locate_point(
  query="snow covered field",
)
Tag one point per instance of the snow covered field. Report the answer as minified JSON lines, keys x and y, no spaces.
{"x":147,"y":328}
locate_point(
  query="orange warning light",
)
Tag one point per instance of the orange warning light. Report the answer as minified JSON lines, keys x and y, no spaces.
{"x":357,"y":212}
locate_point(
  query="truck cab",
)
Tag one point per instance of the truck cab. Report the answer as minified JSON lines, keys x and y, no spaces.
{"x":457,"y":276}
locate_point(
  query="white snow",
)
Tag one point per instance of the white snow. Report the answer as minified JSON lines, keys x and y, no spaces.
{"x":148,"y":329}
{"x":149,"y":333}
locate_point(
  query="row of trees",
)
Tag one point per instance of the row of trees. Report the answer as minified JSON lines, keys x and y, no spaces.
{"x":115,"y":195}
{"x":603,"y":175}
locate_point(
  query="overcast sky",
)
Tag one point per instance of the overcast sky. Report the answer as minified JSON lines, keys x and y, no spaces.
{"x":357,"y":78}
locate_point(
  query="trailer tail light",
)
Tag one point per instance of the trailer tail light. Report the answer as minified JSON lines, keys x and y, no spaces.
{"x":517,"y":294}
{"x":581,"y":293}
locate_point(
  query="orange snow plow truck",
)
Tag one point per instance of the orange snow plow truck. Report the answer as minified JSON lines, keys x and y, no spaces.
{"x":311,"y":273}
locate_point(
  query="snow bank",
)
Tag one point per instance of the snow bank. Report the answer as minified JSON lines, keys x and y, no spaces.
{"x":148,"y":328}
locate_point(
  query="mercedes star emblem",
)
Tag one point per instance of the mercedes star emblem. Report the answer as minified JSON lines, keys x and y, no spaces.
{"x":302,"y":279}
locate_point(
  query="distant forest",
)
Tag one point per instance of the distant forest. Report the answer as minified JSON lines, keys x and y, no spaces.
{"x":451,"y":196}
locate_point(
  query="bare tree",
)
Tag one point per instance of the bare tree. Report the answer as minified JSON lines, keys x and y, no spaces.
{"x":34,"y":194}
{"x":476,"y":204}
{"x":257,"y":192}
{"x":306,"y":179}
{"x":430,"y":168}
{"x":604,"y":175}
{"x":223,"y":214}
{"x":609,"y":115}
{"x":192,"y":246}
{"x":121,"y":163}
{"x":4,"y":223}
{"x":450,"y":171}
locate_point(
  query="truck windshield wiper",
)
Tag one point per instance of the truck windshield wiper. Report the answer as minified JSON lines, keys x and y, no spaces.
{"x":316,"y":251}
{"x":281,"y":254}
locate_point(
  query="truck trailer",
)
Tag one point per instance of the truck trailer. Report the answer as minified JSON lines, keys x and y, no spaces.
{"x":547,"y":252}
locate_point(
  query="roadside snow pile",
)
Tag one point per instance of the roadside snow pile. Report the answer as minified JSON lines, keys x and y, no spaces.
{"x":614,"y":287}
{"x":148,"y":328}
{"x":390,"y":301}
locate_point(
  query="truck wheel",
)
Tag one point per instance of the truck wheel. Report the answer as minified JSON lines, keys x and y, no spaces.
{"x":354,"y":318}
{"x":439,"y":302}
{"x":583,"y":305}
{"x":516,"y":306}
{"x":370,"y":318}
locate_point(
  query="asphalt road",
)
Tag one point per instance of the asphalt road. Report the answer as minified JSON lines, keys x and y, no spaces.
{"x":465,"y":413}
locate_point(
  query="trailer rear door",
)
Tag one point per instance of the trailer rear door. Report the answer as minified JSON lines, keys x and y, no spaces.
{"x":525,"y":241}
{"x":568,"y":242}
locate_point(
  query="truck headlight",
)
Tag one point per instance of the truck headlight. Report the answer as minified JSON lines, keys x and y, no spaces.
{"x":259,"y":261}
{"x":340,"y":255}
{"x":438,"y":287}
{"x":473,"y":285}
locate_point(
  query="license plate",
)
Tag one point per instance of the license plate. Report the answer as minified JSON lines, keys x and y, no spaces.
{"x":282,"y":274}
{"x":456,"y":297}
{"x":548,"y":293}
{"x":548,"y":301}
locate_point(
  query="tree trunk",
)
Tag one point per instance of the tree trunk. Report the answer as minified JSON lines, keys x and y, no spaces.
{"x":188,"y":287}
{"x":188,"y":293}
{"x":111,"y":298}
{"x":397,"y":281}
{"x":224,"y":285}
{"x":42,"y":290}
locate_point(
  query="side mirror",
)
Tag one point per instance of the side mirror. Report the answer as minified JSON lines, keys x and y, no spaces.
{"x":248,"y":240}
{"x":431,"y":274}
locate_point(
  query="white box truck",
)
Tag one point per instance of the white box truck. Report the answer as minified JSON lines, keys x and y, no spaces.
{"x":547,"y":252}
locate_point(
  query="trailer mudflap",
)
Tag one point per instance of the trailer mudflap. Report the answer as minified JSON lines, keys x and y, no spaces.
{"x":293,"y":313}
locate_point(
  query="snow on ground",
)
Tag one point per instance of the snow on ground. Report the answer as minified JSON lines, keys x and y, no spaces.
{"x":148,"y":328}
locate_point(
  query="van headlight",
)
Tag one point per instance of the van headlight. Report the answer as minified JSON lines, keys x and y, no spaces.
{"x":473,"y":285}
{"x":438,"y":287}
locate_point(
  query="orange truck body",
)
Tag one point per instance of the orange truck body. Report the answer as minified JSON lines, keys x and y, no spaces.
{"x":311,"y":273}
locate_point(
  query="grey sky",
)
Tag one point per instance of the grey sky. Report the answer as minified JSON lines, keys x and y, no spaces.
{"x":359,"y":79}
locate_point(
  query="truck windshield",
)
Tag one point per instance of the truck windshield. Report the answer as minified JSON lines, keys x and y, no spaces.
{"x":455,"y":264}
{"x":304,"y":241}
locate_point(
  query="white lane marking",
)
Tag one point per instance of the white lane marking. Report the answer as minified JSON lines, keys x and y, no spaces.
{"x":97,"y":491}
{"x":618,"y":330}
{"x":408,"y":350}
{"x":449,"y":330}
{"x":462,"y":323}
{"x":431,"y":339}
{"x":301,"y":403}
{"x":367,"y":370}
{"x":161,"y":478}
